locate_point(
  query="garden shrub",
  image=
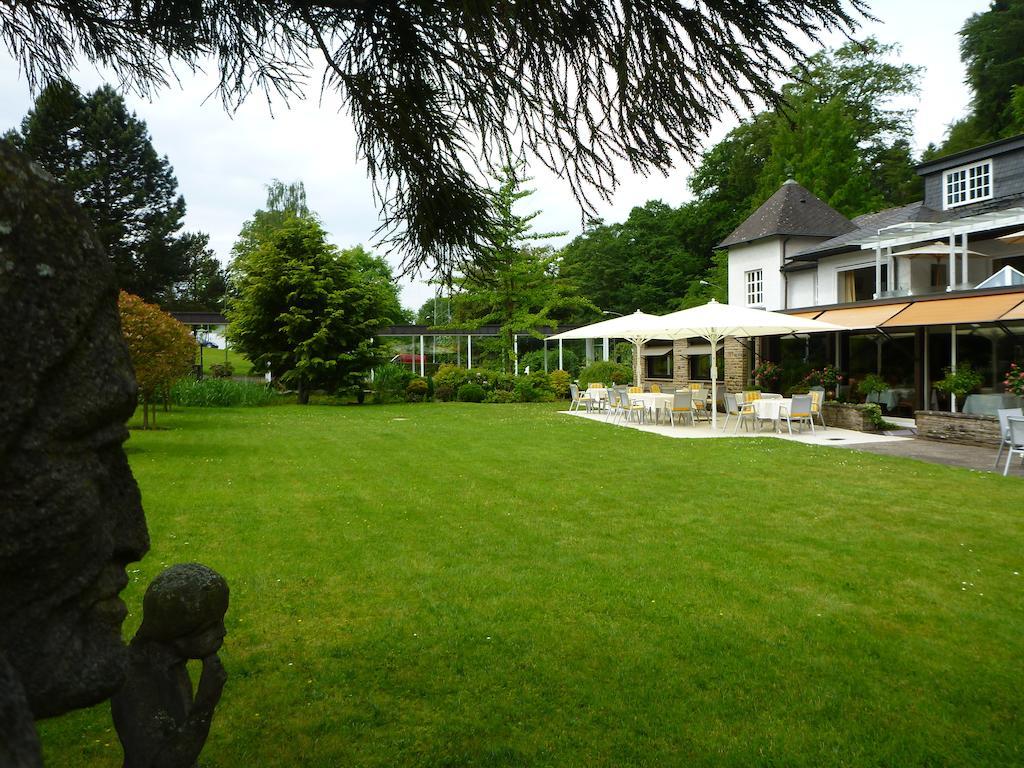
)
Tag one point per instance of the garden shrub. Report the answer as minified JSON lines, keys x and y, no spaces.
{"x":416,"y":390}
{"x":605,"y":372}
{"x":528,"y":391}
{"x":471,"y":392}
{"x":560,"y":381}
{"x":430,"y":387}
{"x":222,"y":370}
{"x":390,"y":381}
{"x":218,"y":393}
{"x":447,"y":381}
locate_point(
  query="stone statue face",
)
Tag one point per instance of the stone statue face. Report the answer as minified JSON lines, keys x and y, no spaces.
{"x":75,"y":521}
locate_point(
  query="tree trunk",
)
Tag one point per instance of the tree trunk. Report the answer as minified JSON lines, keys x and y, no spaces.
{"x":303,"y":393}
{"x":145,"y":415}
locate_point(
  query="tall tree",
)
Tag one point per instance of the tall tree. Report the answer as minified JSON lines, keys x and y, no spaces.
{"x":104,"y":154}
{"x":305,"y":311}
{"x":643,"y":263}
{"x":377,"y":269}
{"x":581,"y":85}
{"x":515,"y":286}
{"x":992,"y":50}
{"x":205,"y":283}
{"x":839,"y":133}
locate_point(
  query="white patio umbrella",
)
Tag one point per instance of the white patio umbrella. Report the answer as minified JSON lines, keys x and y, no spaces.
{"x":626,"y":327}
{"x":714,"y":322}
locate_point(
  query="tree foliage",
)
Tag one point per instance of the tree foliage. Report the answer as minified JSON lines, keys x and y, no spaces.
{"x":992,"y":50}
{"x":436,"y":88}
{"x":162,"y":350}
{"x":838,"y":134}
{"x":104,"y":154}
{"x":305,"y":311}
{"x":515,"y":286}
{"x":205,"y":284}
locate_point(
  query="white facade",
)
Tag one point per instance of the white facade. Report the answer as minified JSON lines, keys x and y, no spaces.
{"x":779,"y":290}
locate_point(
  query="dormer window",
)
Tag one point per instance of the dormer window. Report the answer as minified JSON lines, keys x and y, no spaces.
{"x":967,"y":184}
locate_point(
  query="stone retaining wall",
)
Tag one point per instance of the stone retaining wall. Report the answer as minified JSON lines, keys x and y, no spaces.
{"x":966,"y":428}
{"x":848,"y":416}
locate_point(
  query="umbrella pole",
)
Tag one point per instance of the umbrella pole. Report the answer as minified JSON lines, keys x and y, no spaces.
{"x":714,"y":380}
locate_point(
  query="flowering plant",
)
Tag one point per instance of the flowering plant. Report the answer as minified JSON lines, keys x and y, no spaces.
{"x":828,"y":377}
{"x":767,"y":375}
{"x":1014,"y":381}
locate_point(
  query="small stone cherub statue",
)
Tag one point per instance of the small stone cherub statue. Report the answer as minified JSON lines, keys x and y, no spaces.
{"x":159,"y":721}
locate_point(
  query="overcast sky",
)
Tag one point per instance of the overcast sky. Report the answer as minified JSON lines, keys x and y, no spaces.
{"x":222,"y":162}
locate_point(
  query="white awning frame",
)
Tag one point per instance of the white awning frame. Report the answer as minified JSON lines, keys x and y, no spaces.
{"x":911,"y":232}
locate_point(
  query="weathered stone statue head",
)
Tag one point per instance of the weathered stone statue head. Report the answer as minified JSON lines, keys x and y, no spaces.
{"x":70,"y":515}
{"x":184,"y":607}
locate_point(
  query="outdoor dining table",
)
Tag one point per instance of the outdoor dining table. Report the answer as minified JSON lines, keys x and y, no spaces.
{"x":656,"y":401}
{"x":769,"y":408}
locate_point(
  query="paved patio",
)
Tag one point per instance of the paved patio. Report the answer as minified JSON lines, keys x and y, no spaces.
{"x":830,"y":436}
{"x":973,"y":457}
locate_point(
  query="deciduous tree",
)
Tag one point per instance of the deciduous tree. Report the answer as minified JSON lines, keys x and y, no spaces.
{"x":305,"y":311}
{"x":162,"y":350}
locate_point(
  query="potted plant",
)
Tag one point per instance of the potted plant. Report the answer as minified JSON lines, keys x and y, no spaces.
{"x":767,"y":375}
{"x":828,"y":378}
{"x":960,"y":382}
{"x":870,"y":384}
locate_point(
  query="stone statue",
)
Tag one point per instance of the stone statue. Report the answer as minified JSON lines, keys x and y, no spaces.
{"x":70,"y":514}
{"x":157,"y":718}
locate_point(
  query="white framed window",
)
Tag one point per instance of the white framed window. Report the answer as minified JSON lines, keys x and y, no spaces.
{"x":755,"y":287}
{"x":967,"y":184}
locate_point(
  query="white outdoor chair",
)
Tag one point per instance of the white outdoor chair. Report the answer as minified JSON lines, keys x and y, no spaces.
{"x":800,"y":410}
{"x":682,"y":404}
{"x":1016,"y":444}
{"x":700,"y":404}
{"x":1005,"y":414}
{"x":579,"y":399}
{"x":817,"y":398}
{"x":633,"y":407}
{"x":734,"y":406}
{"x":613,"y":406}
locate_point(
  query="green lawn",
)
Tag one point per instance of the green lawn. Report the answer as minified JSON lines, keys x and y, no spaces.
{"x":237,"y":359}
{"x":498,"y":585}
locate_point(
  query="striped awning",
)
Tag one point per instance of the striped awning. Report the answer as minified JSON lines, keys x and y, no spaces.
{"x":856,"y":318}
{"x":966,"y":309}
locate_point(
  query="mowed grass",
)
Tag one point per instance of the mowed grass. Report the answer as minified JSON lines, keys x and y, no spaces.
{"x":240,"y":363}
{"x":500,"y":585}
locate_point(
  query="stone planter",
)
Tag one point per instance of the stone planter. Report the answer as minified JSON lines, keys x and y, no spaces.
{"x":857,"y":416}
{"x":966,"y":428}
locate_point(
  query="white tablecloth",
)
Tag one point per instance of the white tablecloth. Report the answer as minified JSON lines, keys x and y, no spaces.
{"x":890,"y":398}
{"x":656,"y":401}
{"x":769,"y":409}
{"x":988,"y":405}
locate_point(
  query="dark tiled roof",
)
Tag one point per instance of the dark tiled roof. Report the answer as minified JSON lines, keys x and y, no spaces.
{"x":792,"y":210}
{"x":865,"y":225}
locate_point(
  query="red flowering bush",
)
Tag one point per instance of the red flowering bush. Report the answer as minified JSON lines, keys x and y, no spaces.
{"x":1014,"y":380}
